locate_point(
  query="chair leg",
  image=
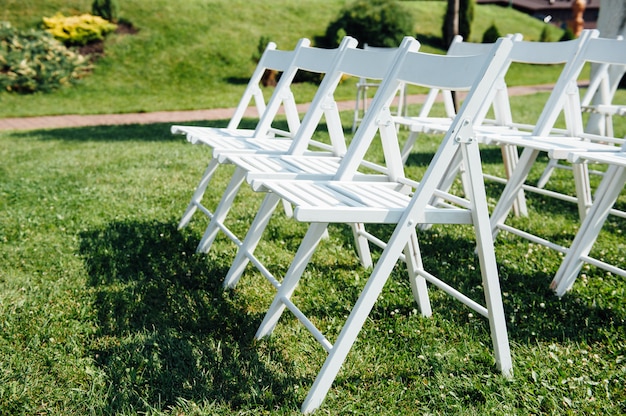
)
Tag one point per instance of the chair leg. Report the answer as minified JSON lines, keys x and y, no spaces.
{"x":487,"y":260}
{"x":252,"y":239}
{"x":583,"y":188}
{"x":418,"y":283}
{"x":408,"y":146}
{"x":606,"y":195}
{"x":362,"y":245}
{"x":198,"y":194}
{"x":547,"y":172}
{"x":512,"y":189}
{"x":356,"y":319}
{"x":314,"y":234}
{"x":510,"y":160}
{"x":221,"y":211}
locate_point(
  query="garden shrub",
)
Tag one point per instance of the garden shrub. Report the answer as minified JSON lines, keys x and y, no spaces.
{"x":375,"y":22}
{"x":270,"y":76}
{"x":568,"y":34}
{"x":545,"y":35}
{"x":33,"y":60}
{"x":78,"y":30}
{"x":107,"y":9}
{"x":491,"y":34}
{"x":466,"y":16}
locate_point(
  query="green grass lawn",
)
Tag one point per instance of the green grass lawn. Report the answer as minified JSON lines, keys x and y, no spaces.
{"x":106,"y":309}
{"x":195,"y":54}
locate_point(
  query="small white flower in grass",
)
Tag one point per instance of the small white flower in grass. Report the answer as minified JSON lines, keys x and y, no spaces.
{"x":542,"y":305}
{"x":470,"y":315}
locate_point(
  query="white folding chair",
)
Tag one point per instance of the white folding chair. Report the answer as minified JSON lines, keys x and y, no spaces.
{"x":605,"y":197}
{"x":598,"y":101}
{"x":401,"y":201}
{"x":272,"y":59}
{"x":503,"y":122}
{"x":263,"y":138}
{"x":564,"y":95}
{"x":425,"y":122}
{"x":363,"y":85}
{"x":372,"y":63}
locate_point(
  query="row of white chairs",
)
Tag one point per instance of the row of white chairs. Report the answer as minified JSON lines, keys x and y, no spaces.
{"x":334,"y":183}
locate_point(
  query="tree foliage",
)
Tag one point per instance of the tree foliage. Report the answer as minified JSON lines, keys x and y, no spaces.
{"x":375,"y":22}
{"x":465,"y":18}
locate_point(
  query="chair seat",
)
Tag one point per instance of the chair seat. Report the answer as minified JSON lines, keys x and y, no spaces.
{"x":349,"y":202}
{"x":617,"y":158}
{"x":237,"y":140}
{"x":425,"y":124}
{"x":283,"y":166}
{"x":556,"y":147}
{"x":196,"y":134}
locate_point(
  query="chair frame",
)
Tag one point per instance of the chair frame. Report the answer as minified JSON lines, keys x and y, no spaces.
{"x":404,"y":211}
{"x":363,"y":85}
{"x":580,"y":149}
{"x":271,"y":59}
{"x":354,"y":62}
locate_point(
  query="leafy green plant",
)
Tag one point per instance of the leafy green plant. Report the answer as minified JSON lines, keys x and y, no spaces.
{"x":107,"y":9}
{"x":78,"y":30}
{"x":466,"y":16}
{"x":545,"y":35}
{"x":491,"y":34}
{"x":568,"y":34}
{"x":375,"y":22}
{"x":33,"y":61}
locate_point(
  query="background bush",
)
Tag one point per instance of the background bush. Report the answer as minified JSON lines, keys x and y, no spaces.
{"x":78,"y":30}
{"x":375,"y":22}
{"x":107,"y":9}
{"x":33,"y":60}
{"x":491,"y":34}
{"x":466,"y":16}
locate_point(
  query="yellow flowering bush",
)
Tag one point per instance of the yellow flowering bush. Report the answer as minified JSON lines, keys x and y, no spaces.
{"x":78,"y":30}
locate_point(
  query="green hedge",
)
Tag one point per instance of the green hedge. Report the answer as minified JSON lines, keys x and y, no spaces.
{"x":34,"y":60}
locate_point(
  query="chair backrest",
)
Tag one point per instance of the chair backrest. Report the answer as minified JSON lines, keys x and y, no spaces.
{"x":539,"y":53}
{"x":272,"y":59}
{"x":306,"y":58}
{"x":598,"y":99}
{"x":565,"y":94}
{"x":458,"y":47}
{"x":523,"y":52}
{"x":371,"y":63}
{"x":427,"y":70}
{"x":309,"y":59}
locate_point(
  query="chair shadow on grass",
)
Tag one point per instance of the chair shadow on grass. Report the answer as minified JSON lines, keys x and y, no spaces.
{"x":152,"y":132}
{"x":166,"y":331}
{"x":534,"y":313}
